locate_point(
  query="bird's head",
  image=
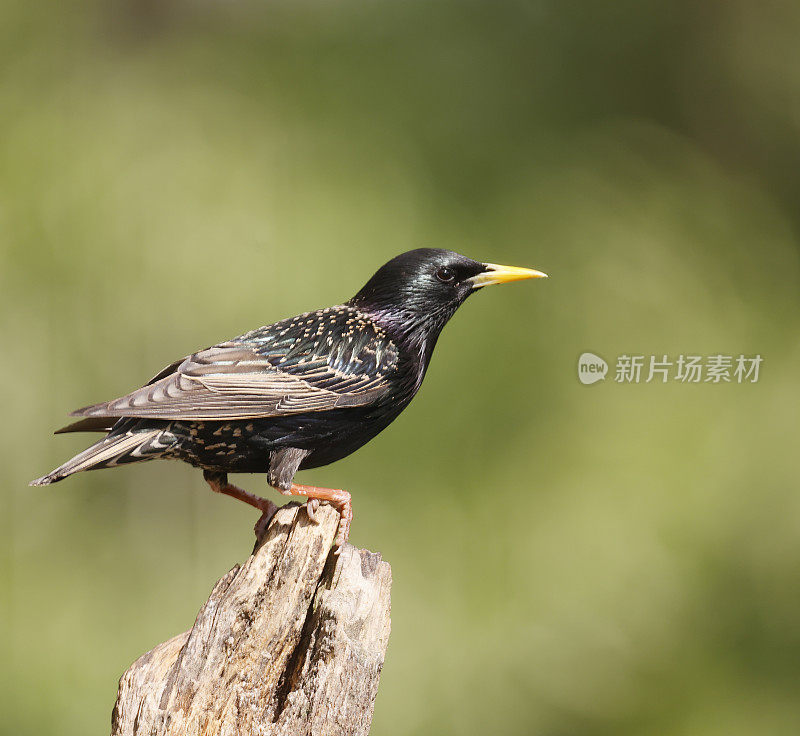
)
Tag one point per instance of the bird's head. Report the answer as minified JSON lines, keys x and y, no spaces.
{"x":417,"y":292}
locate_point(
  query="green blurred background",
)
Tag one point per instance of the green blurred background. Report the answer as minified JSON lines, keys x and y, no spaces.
{"x":568,"y":560}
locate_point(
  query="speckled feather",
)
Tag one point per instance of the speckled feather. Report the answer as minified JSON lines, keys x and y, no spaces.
{"x":321,"y":360}
{"x":227,"y":408}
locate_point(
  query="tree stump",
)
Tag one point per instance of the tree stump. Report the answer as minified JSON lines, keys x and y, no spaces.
{"x":290,"y":642}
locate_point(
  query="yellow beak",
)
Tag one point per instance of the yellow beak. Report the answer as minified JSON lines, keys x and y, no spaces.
{"x":495,"y":274}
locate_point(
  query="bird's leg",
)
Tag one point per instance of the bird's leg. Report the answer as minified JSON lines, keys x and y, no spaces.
{"x":219,"y":484}
{"x":339,"y":499}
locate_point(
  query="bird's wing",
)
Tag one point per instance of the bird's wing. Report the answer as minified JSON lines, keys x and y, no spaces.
{"x":106,"y":423}
{"x":263,"y":374}
{"x":89,"y":424}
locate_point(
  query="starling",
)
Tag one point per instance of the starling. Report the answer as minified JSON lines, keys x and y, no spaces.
{"x":300,"y":393}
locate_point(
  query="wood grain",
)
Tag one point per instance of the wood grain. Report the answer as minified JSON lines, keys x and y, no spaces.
{"x":291,"y":642}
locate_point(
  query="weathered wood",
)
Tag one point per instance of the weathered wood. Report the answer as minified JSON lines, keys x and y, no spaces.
{"x":290,"y":642}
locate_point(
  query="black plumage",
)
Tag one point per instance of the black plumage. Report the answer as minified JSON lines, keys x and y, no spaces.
{"x":296,"y":394}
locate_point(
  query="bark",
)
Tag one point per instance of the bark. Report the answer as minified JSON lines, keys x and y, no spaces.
{"x":290,"y":642}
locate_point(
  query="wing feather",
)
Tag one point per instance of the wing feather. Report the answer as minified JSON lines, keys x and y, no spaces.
{"x":243,"y":379}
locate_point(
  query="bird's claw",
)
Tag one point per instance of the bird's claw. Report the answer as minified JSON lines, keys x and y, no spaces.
{"x":345,"y":509}
{"x":267,"y":512}
{"x":337,"y":498}
{"x":312,"y":504}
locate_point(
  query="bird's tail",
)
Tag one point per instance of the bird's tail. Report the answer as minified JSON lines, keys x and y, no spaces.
{"x":115,"y":449}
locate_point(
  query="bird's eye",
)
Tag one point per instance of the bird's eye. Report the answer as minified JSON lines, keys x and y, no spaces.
{"x":446,"y":275}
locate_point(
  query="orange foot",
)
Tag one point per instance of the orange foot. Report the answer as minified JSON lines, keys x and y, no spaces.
{"x":219,"y":484}
{"x":339,"y":499}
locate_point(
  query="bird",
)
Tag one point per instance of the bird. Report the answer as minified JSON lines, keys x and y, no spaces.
{"x":300,"y":393}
